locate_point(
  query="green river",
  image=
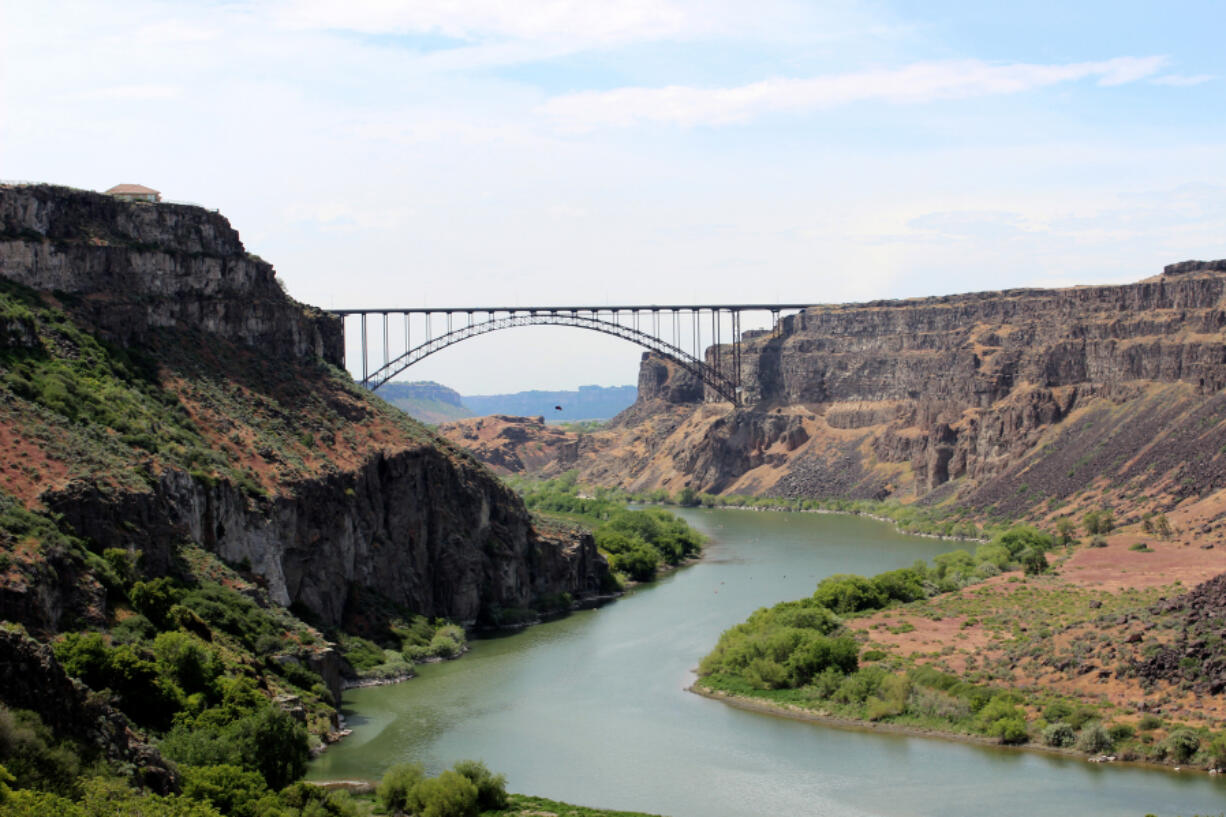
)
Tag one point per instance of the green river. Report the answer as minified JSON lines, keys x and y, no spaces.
{"x":592,"y":708}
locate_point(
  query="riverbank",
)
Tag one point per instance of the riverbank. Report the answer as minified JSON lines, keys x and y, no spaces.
{"x":619,"y":673}
{"x":765,"y":707}
{"x":895,"y":524}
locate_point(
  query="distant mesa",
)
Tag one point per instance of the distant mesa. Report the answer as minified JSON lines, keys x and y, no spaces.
{"x":434,"y":403}
{"x":134,"y":192}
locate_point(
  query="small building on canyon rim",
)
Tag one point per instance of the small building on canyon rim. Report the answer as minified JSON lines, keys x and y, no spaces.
{"x":134,"y":192}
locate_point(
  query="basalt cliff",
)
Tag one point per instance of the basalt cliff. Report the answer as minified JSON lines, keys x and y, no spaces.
{"x":159,"y":388}
{"x":1011,"y":402}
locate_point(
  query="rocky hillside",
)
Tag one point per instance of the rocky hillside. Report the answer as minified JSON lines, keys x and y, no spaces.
{"x":1012,"y":402}
{"x":516,"y":445}
{"x":157,"y":387}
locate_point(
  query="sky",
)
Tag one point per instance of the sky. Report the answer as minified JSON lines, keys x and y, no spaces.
{"x":535,"y":152}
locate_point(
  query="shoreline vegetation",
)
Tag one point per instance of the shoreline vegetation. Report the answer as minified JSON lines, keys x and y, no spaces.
{"x":793,"y":712}
{"x":803,"y":659}
{"x":638,"y":543}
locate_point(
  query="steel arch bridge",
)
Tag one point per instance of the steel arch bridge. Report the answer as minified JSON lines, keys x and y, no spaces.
{"x":661,"y":329}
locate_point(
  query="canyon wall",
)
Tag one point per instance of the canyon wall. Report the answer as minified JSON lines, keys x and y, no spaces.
{"x":252,"y":445}
{"x":1013,"y":402}
{"x":130,"y":268}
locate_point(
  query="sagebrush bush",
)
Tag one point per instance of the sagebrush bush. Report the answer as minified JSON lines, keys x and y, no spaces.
{"x":1060,"y":735}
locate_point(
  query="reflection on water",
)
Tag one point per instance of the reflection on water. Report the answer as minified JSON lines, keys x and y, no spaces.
{"x":592,"y":709}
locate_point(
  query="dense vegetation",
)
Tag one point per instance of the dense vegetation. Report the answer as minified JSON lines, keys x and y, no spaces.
{"x":804,"y":654}
{"x":637,"y":542}
{"x":787,"y":645}
{"x":211,"y":674}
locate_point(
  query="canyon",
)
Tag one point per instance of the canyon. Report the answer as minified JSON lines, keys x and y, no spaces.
{"x":1013,"y":403}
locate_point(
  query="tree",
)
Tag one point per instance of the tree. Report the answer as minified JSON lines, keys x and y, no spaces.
{"x":398,"y":784}
{"x":848,"y":593}
{"x":1098,"y":522}
{"x":274,"y":744}
{"x":1066,"y":532}
{"x":491,"y":788}
{"x":1022,"y":537}
{"x":1183,"y":744}
{"x":1094,"y":739}
{"x":154,"y":599}
{"x":639,"y":563}
{"x":232,"y":790}
{"x":451,"y":794}
{"x":1034,"y":561}
{"x":1217,"y":750}
{"x":688,"y":498}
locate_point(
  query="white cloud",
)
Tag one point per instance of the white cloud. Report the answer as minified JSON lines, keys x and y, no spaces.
{"x":915,"y":83}
{"x":609,"y":21}
{"x":135,"y":93}
{"x":1179,"y":81}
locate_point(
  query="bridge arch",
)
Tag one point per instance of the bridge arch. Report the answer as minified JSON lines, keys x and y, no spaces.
{"x":710,"y":376}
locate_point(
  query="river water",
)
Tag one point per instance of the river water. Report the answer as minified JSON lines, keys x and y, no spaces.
{"x":591,"y":709}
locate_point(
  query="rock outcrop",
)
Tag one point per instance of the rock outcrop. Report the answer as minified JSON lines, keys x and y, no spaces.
{"x":135,"y":267}
{"x":437,"y":538}
{"x":1007,"y":400}
{"x":276,"y":460}
{"x":514,"y":445}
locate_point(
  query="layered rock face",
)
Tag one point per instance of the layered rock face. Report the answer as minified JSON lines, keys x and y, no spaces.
{"x":437,"y":538}
{"x":1005,"y":400}
{"x":340,"y":492}
{"x":974,"y":350}
{"x":137,"y":267}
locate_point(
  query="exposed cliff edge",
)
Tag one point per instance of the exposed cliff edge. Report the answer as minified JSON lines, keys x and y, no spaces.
{"x":219,"y":417}
{"x":1007,"y":401}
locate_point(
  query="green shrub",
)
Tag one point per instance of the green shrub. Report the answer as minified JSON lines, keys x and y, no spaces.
{"x":34,"y":758}
{"x":1033,"y":561}
{"x":274,"y":744}
{"x":902,"y":585}
{"x":1098,"y":522}
{"x":1011,"y":731}
{"x":188,"y":660}
{"x":1000,"y":718}
{"x":1057,"y":711}
{"x":1060,"y":735}
{"x":397,"y":785}
{"x":314,"y":801}
{"x":1094,"y":739}
{"x":232,"y":790}
{"x":1182,"y":744}
{"x":1019,"y":539}
{"x":154,"y":598}
{"x":859,"y":685}
{"x":1149,"y":721}
{"x":639,"y":563}
{"x":1080,"y":716}
{"x":1120,"y":732}
{"x":491,"y":788}
{"x":1217,"y":751}
{"x":361,"y":653}
{"x":848,"y":593}
{"x":451,"y":794}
